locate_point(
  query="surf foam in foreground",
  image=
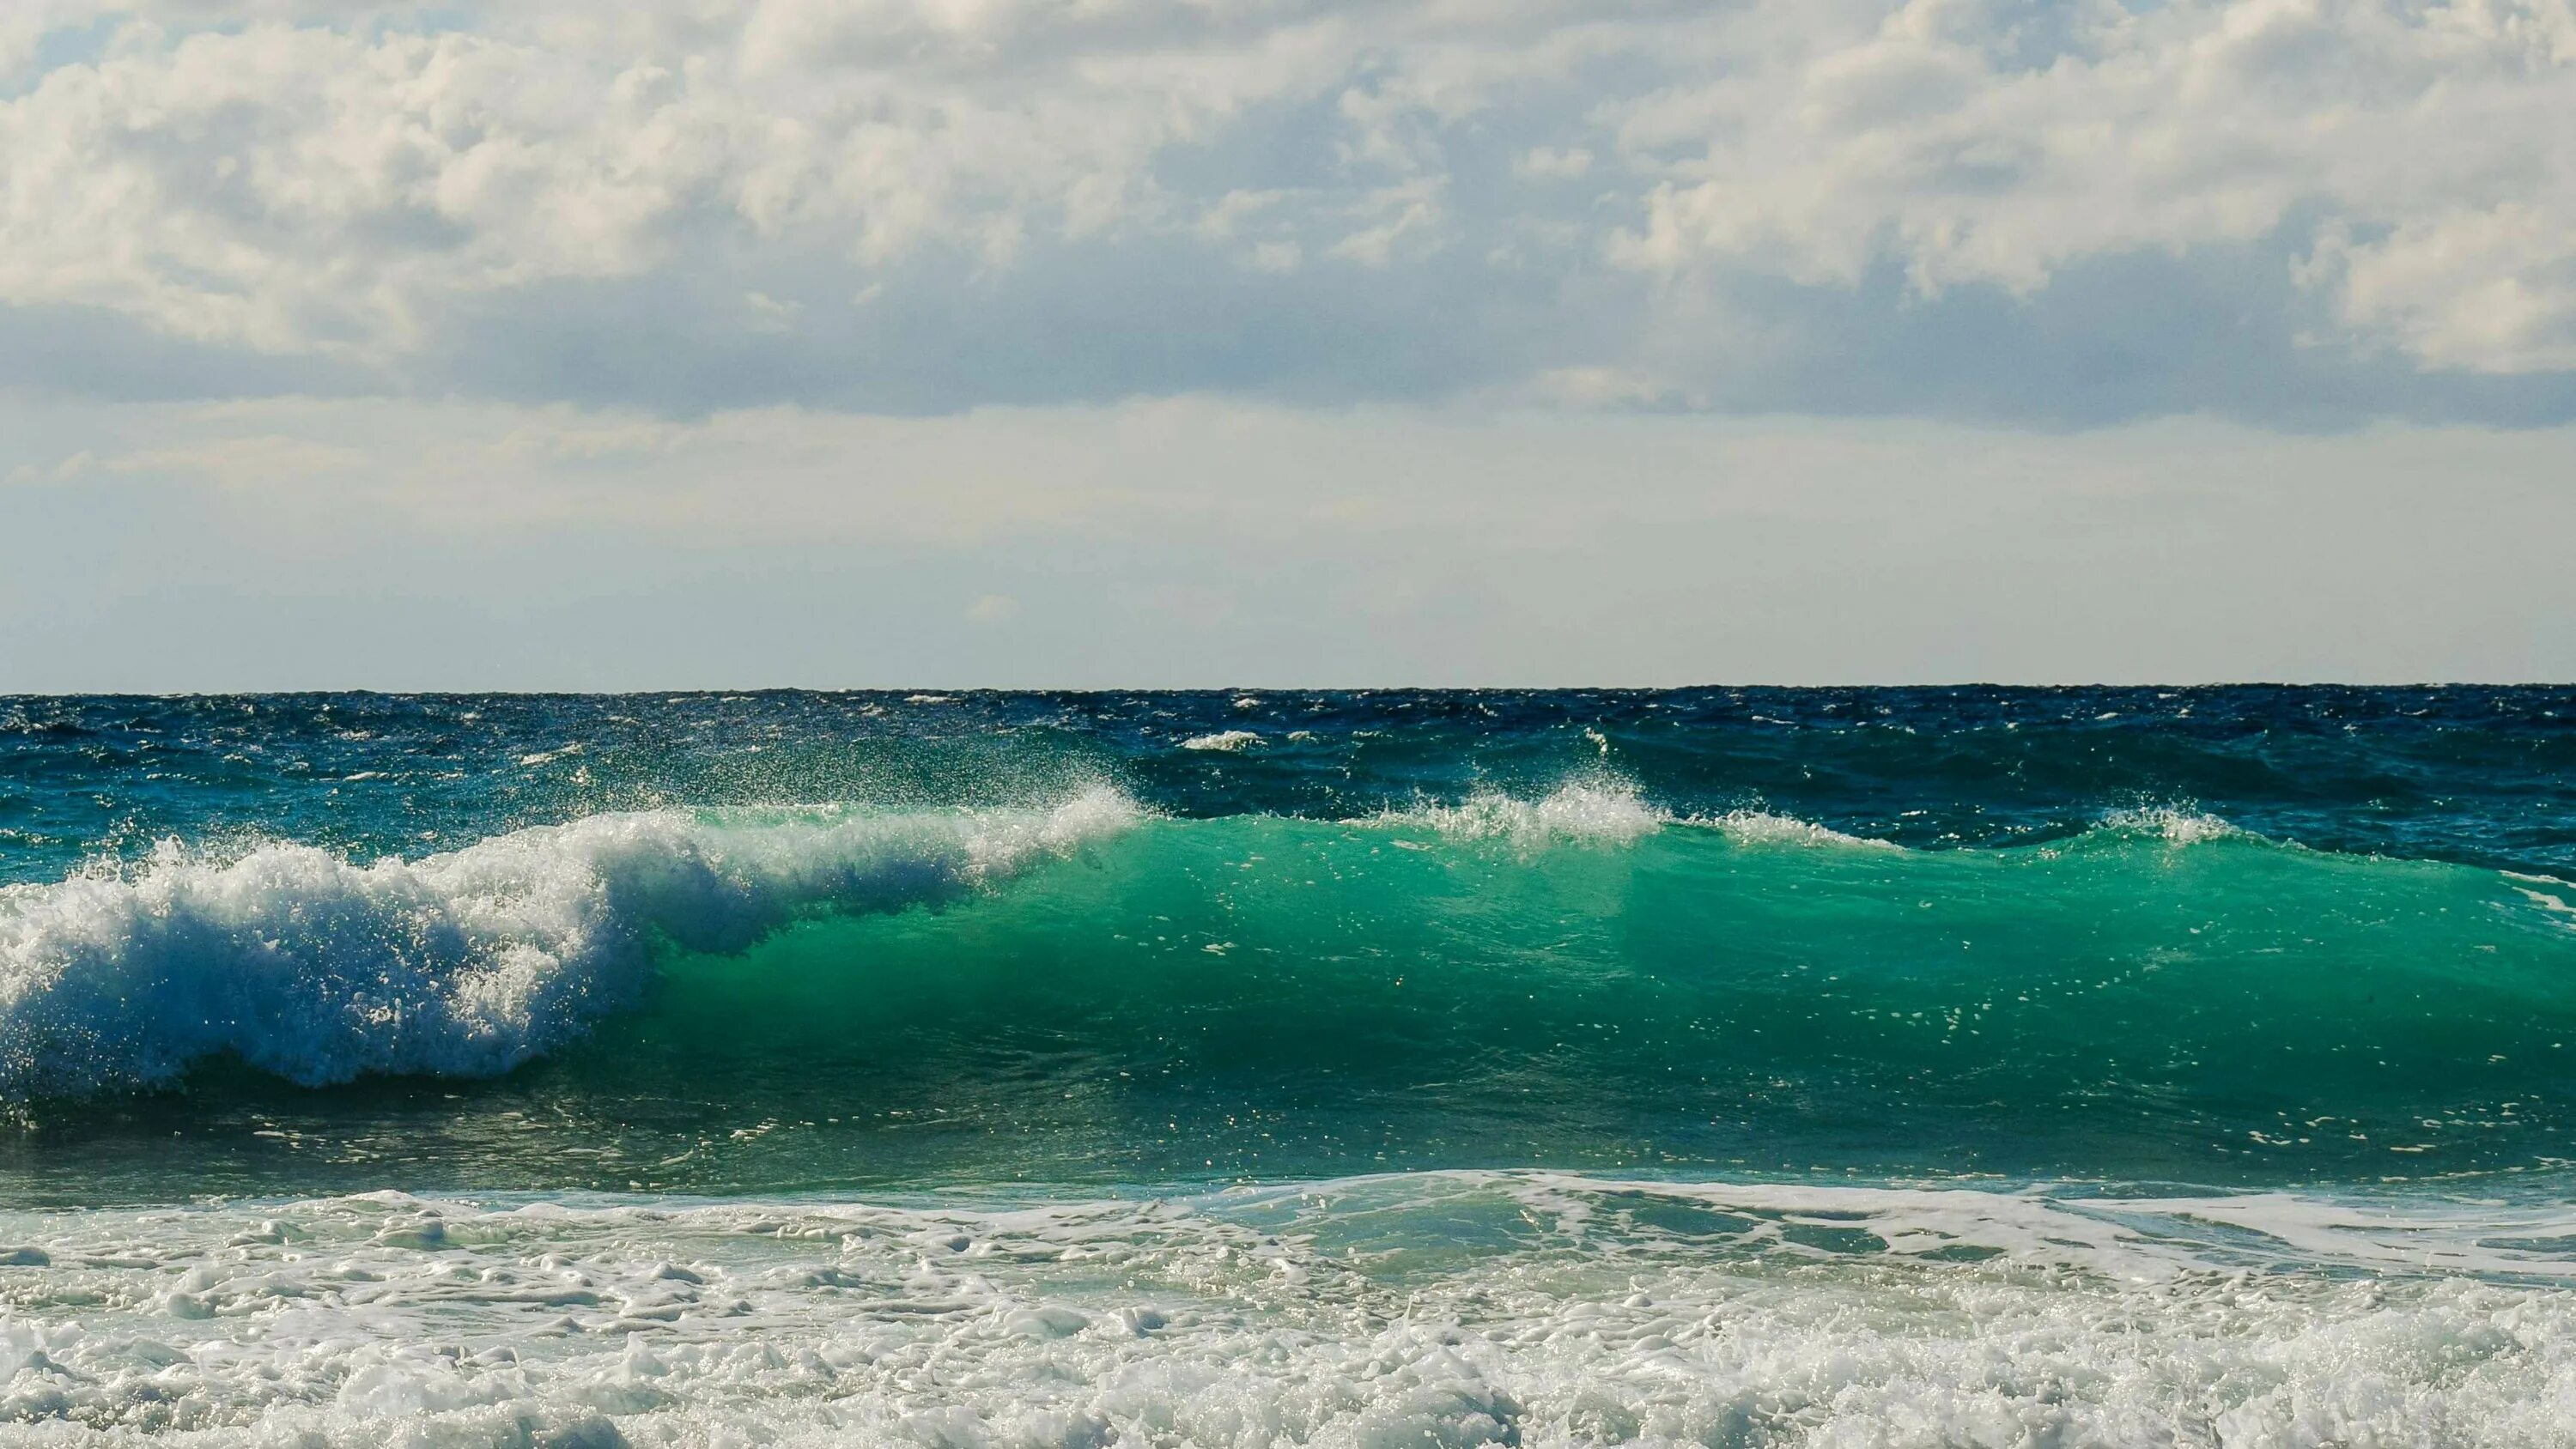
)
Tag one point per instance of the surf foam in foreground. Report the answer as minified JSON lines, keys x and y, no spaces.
{"x":1451,"y":1310}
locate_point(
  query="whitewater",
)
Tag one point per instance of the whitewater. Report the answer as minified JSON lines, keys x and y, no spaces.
{"x":1454,"y":1309}
{"x":2118,"y":1067}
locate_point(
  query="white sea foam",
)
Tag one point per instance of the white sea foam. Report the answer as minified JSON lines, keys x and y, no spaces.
{"x":1226,"y":740}
{"x":320,"y":969}
{"x":2173,"y":824}
{"x":1445,"y":1310}
{"x":1604,"y":811}
{"x":2555,"y":905}
{"x":1761,"y":827}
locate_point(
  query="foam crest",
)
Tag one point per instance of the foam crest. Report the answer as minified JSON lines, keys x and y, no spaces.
{"x":1603,"y":812}
{"x":1225,"y":741}
{"x":2172,"y":824}
{"x":1609,"y":810}
{"x":320,"y":969}
{"x":1761,"y":827}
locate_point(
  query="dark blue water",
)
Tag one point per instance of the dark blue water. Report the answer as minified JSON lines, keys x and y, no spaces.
{"x":2475,"y":775}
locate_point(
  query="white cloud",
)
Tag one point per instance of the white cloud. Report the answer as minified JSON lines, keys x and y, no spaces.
{"x":2486,"y":290}
{"x":1943,"y":136}
{"x":305,"y":189}
{"x":309,"y":188}
{"x":333,"y":179}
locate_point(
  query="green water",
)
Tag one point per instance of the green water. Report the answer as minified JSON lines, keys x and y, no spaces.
{"x":1270,"y":998}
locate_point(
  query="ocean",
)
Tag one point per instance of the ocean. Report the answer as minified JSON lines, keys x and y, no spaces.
{"x":1979,"y":1066}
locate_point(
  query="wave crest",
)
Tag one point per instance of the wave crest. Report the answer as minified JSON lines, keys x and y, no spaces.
{"x":2173,"y":824}
{"x":1226,"y":741}
{"x":1761,"y":827}
{"x":319,"y":970}
{"x":1607,"y":812}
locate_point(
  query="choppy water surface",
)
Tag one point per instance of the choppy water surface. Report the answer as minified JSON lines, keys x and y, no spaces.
{"x":1756,"y":1067}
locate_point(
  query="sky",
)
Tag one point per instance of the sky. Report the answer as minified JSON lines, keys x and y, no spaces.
{"x":726,"y":343}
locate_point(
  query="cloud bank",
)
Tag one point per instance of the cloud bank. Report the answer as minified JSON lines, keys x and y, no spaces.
{"x":2367,"y":206}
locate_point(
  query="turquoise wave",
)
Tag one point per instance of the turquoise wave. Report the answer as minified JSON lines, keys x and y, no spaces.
{"x":782,"y":999}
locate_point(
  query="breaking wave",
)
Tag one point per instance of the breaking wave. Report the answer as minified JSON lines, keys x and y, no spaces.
{"x":1578,"y":976}
{"x":319,"y":969}
{"x":1603,"y":811}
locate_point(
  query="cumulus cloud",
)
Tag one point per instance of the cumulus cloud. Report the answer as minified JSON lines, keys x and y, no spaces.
{"x":293,"y":185}
{"x":1552,"y":180}
{"x":2416,"y":152}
